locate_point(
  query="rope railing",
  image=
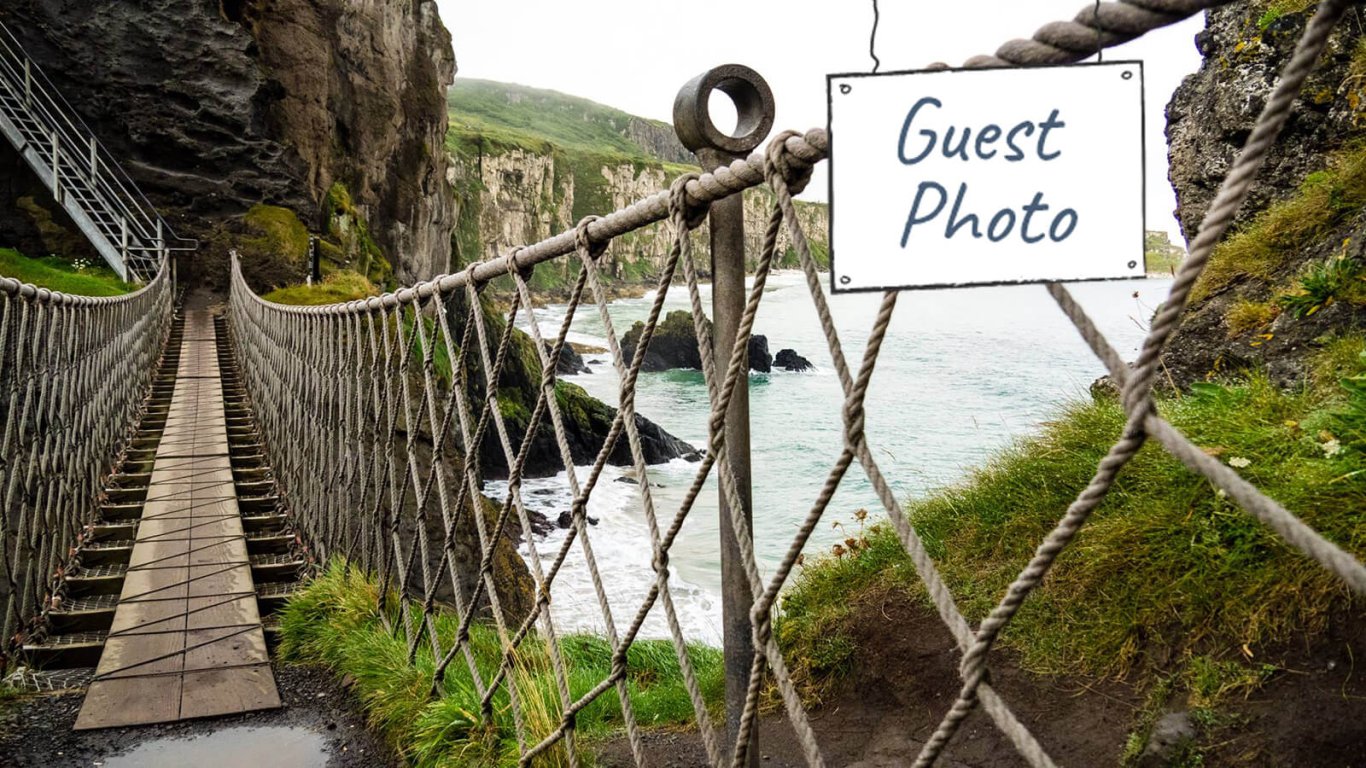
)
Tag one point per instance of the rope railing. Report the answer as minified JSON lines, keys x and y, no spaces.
{"x":74,"y":374}
{"x":374,"y":412}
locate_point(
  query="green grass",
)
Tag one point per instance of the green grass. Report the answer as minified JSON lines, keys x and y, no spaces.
{"x":279,"y":232}
{"x":1262,"y":249}
{"x":530,"y":117}
{"x":1338,"y":277}
{"x":1167,"y":568}
{"x":337,"y":287}
{"x":1279,"y":8}
{"x":58,"y":274}
{"x":333,"y":622}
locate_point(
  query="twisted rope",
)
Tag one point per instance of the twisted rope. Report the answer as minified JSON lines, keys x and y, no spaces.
{"x":75,"y":372}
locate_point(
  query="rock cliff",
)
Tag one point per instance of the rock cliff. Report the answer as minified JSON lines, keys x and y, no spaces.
{"x":268,"y":101}
{"x":1289,"y":277}
{"x":530,"y":163}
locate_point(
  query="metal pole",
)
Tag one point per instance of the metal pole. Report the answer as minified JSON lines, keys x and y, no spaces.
{"x":56,"y":174}
{"x":314,"y":268}
{"x":726,"y":222}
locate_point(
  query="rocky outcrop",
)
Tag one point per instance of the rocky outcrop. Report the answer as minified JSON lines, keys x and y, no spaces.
{"x":215,"y":106}
{"x":659,"y":140}
{"x":1212,"y":112}
{"x":570,"y":362}
{"x":759,"y":358}
{"x":587,"y":420}
{"x":674,"y":345}
{"x":1238,"y":319}
{"x":789,"y":360}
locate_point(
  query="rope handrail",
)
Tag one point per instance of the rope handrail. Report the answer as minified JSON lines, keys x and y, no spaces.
{"x":74,"y":374}
{"x":806,"y":150}
{"x":16,"y":288}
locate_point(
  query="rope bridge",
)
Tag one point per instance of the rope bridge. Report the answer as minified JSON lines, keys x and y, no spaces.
{"x":380,"y":460}
{"x":377,"y":454}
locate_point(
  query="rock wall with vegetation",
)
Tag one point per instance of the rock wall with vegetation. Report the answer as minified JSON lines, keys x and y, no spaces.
{"x":1290,"y":276}
{"x":529,"y":164}
{"x":219,"y":106}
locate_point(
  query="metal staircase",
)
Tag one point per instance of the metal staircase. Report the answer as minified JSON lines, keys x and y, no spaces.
{"x":82,"y":175}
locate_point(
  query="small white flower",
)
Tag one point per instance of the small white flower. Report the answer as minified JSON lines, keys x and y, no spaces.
{"x":1331,"y":448}
{"x":1239,"y":462}
{"x":1221,"y":493}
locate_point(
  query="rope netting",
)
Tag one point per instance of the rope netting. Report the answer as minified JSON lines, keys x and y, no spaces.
{"x":374,"y":411}
{"x":75,"y":372}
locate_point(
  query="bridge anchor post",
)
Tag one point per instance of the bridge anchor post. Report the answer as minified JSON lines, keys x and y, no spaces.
{"x":726,"y":223}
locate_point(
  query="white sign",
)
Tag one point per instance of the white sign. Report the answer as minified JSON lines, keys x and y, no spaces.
{"x":975,"y":177}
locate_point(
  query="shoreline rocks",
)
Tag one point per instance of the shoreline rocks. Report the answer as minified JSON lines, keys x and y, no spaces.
{"x":789,"y":360}
{"x":674,"y":346}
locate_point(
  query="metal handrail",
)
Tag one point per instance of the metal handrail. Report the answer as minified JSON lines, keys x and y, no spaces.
{"x":83,"y":162}
{"x":63,"y":112}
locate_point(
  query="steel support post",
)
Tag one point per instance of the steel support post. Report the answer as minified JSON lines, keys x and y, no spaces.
{"x":692,"y":120}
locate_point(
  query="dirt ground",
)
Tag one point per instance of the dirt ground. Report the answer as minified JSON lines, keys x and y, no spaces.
{"x":35,"y":732}
{"x":1311,"y":714}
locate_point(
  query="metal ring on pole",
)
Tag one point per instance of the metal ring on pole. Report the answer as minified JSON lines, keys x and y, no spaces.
{"x":753,"y":107}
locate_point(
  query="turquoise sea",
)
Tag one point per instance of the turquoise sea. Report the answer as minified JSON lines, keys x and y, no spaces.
{"x":962,"y":373}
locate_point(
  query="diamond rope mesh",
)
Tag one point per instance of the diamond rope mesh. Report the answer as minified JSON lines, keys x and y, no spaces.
{"x":75,"y":372}
{"x":375,"y":411}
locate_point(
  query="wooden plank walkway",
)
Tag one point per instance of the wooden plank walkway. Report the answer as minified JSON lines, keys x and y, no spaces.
{"x":186,"y":640}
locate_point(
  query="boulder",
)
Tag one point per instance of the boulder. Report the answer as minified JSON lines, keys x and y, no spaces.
{"x":570,"y":362}
{"x":759,"y":358}
{"x":674,"y":345}
{"x":789,"y":360}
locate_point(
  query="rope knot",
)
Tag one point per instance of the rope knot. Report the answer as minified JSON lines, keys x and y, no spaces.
{"x":780,"y":163}
{"x":584,"y":243}
{"x":661,"y":562}
{"x":619,"y":668}
{"x":470,"y":279}
{"x":683,"y":212}
{"x":523,"y":272}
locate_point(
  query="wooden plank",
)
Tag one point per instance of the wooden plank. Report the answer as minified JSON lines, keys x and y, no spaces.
{"x":186,"y":639}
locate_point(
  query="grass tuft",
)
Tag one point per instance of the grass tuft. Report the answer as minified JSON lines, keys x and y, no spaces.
{"x":1339,"y":277}
{"x":1246,"y":316}
{"x":343,"y":285}
{"x":333,"y":622}
{"x":57,"y":274}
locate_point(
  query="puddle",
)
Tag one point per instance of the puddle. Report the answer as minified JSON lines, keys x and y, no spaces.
{"x":230,"y":748}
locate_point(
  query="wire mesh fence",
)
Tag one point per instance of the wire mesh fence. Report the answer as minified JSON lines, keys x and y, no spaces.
{"x":74,"y":373}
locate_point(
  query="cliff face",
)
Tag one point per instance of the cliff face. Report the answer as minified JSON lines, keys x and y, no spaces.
{"x":530,"y":163}
{"x":514,"y":196}
{"x":1288,"y":277}
{"x":215,"y":107}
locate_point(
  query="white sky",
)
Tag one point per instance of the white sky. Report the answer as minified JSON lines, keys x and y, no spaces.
{"x":634,"y":54}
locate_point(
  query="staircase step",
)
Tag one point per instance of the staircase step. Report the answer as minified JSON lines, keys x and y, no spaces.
{"x":106,"y":552}
{"x":93,"y":613}
{"x":274,"y":567}
{"x":262,"y":521}
{"x":96,"y":580}
{"x":74,"y":649}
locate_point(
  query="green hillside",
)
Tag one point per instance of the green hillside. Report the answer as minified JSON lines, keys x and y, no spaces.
{"x":516,"y":116}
